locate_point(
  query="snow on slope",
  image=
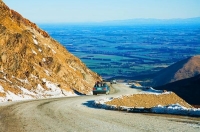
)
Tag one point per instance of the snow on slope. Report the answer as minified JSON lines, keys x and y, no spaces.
{"x":1,"y":89}
{"x":28,"y":54}
{"x":150,"y":90}
{"x":38,"y":93}
{"x":176,"y":109}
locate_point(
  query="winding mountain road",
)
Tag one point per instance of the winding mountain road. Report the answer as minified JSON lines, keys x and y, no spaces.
{"x":76,"y":114}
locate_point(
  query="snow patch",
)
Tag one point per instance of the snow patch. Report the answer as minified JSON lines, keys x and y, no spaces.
{"x":38,"y":93}
{"x":7,"y":79}
{"x":40,"y":50}
{"x":134,"y":85}
{"x":25,"y":91}
{"x":53,"y":88}
{"x":26,"y":94}
{"x":33,"y":76}
{"x":1,"y":89}
{"x":53,"y":51}
{"x":35,"y":41}
{"x":150,"y":90}
{"x":175,"y":109}
{"x":39,"y":89}
{"x":55,"y":91}
{"x":47,"y":72}
{"x":43,"y":59}
{"x":13,"y":97}
{"x":72,"y":67}
{"x":23,"y":80}
{"x":34,"y":52}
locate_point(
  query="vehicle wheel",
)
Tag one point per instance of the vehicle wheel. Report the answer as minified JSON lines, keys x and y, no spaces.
{"x":94,"y":93}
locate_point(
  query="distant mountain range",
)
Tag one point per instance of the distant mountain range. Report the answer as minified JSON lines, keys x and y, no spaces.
{"x":195,"y":20}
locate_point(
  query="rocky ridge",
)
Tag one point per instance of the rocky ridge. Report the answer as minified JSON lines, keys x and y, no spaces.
{"x":33,"y":65}
{"x":186,"y":68}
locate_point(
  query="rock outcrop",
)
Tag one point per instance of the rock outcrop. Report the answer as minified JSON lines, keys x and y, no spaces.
{"x":33,"y":65}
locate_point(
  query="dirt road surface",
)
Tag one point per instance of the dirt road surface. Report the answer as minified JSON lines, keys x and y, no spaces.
{"x":76,"y":114}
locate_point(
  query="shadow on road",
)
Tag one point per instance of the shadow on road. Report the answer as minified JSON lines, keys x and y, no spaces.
{"x":91,"y":104}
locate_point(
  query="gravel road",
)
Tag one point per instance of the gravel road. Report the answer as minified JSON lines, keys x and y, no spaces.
{"x":76,"y":114}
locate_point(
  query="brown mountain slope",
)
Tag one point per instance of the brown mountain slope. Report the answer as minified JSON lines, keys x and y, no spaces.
{"x":188,"y":89}
{"x":31,"y":60}
{"x":187,"y":68}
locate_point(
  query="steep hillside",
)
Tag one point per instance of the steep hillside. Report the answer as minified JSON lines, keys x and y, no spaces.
{"x":181,"y":70}
{"x":188,"y":89}
{"x":33,"y":65}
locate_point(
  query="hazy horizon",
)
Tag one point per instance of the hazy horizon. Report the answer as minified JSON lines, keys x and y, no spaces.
{"x":77,"y":11}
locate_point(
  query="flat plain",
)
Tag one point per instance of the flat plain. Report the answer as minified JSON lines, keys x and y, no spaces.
{"x":127,"y":50}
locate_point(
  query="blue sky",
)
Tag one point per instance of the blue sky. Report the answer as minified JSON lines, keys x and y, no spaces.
{"x":53,"y":11}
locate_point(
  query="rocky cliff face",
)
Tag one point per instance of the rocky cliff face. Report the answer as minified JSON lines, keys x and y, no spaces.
{"x":33,"y":65}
